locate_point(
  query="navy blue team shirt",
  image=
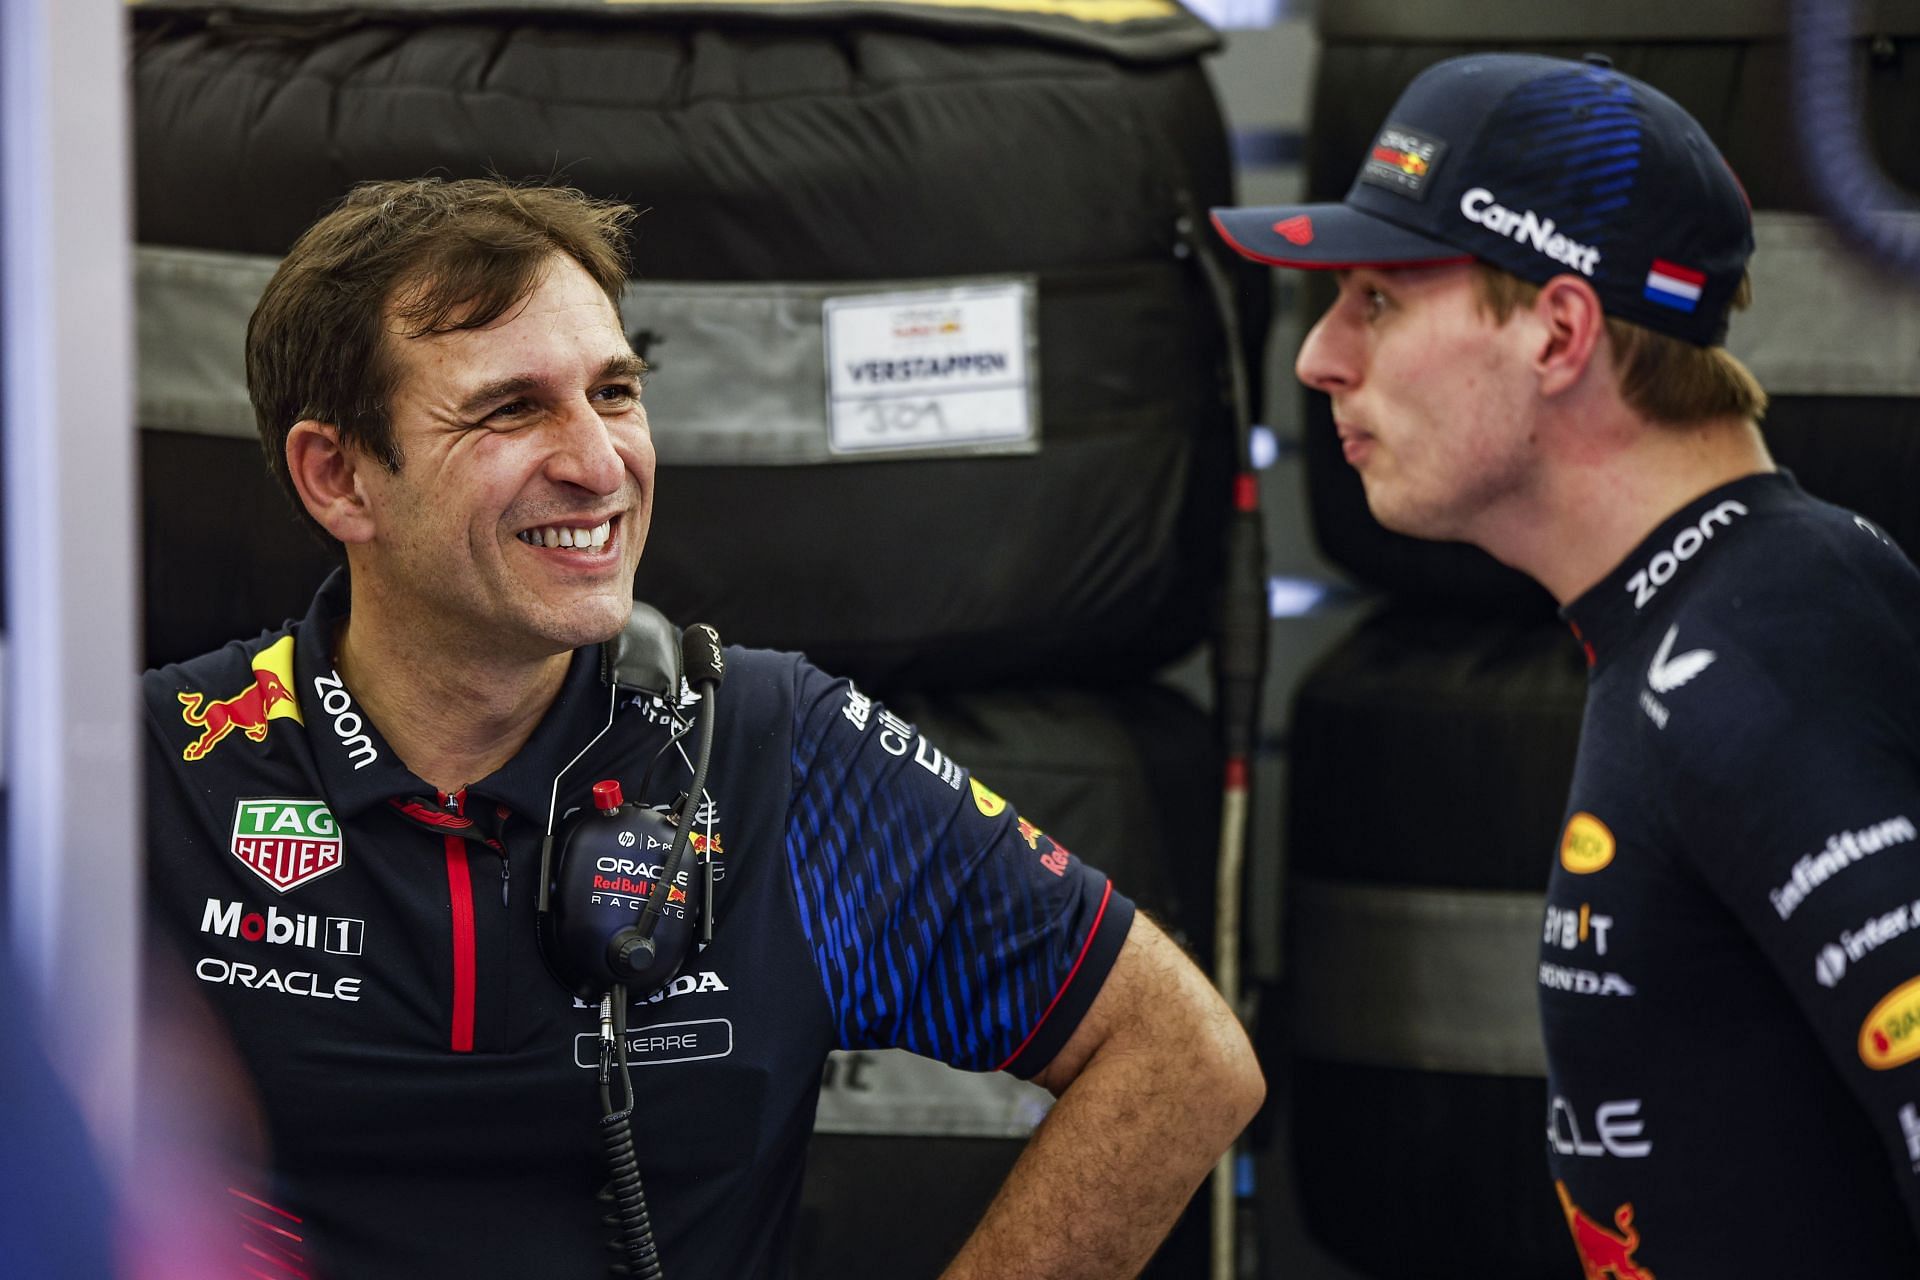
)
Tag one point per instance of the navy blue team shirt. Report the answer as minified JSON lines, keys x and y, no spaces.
{"x":1730,"y":957}
{"x":431,"y":1093}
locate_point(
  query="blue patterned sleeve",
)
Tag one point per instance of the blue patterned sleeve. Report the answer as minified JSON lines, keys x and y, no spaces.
{"x":941,"y":920}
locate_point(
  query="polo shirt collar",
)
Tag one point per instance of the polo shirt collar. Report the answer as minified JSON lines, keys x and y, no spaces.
{"x":359,"y":769}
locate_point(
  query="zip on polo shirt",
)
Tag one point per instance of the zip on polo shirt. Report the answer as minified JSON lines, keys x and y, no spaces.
{"x":447,"y":817}
{"x":460,"y":892}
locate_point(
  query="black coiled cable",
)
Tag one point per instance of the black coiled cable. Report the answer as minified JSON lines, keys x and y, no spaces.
{"x":633,"y":1229}
{"x":1843,"y":174}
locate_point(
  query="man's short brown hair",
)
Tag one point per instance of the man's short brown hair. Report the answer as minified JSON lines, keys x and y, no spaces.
{"x":429,"y":256}
{"x":1662,"y":378}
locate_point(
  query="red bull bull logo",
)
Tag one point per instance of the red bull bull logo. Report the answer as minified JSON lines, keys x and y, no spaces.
{"x":1602,"y":1252}
{"x":1030,"y":833}
{"x":1405,"y":161}
{"x":269,"y":697}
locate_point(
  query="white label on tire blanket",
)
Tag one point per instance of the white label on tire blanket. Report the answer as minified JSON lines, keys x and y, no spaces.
{"x":931,"y":369}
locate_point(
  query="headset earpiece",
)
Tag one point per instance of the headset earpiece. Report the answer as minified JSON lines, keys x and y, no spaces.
{"x":610,"y":857}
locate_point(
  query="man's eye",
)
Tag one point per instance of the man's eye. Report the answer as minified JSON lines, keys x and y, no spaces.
{"x":618,"y":393}
{"x":1374,"y":302}
{"x":509,"y":411}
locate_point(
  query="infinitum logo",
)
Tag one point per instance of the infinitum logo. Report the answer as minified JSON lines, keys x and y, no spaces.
{"x":1841,"y":851}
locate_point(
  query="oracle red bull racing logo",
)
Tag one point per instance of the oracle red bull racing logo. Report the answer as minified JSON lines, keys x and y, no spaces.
{"x":1604,"y":1253}
{"x":269,"y":697}
{"x":1401,"y":160}
{"x":628,"y":882}
{"x":1407,"y":162}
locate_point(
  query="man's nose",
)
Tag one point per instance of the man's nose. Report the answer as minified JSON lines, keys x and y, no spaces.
{"x":583,"y":453}
{"x":1327,"y":360}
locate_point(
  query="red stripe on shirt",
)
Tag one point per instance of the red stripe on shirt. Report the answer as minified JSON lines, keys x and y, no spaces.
{"x":460,"y":890}
{"x":1079,"y":960}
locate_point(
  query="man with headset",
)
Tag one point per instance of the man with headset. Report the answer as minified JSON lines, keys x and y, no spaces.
{"x":1537,"y":262}
{"x":348,"y":820}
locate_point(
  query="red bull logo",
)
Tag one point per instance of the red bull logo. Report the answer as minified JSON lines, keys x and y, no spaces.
{"x":1031,"y":834}
{"x":269,"y":697}
{"x":1602,"y":1252}
{"x":1405,"y":161}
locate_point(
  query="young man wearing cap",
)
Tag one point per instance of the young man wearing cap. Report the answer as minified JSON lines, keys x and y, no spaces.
{"x":1537,"y":262}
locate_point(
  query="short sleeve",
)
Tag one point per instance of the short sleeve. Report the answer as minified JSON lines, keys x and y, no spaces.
{"x":941,"y":920}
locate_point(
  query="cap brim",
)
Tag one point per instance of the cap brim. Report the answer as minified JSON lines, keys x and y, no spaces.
{"x":1328,"y":237}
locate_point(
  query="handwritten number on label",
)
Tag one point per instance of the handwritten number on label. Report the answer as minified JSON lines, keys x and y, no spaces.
{"x":915,"y":417}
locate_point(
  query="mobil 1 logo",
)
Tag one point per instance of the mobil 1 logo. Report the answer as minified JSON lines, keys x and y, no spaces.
{"x":341,"y":935}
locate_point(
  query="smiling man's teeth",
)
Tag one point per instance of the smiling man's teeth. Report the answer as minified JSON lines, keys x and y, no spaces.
{"x":568,"y":536}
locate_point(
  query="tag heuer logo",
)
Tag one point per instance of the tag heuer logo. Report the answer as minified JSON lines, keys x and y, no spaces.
{"x":286,"y":842}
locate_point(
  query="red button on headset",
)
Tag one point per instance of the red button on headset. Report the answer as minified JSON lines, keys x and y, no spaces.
{"x":606,"y":796}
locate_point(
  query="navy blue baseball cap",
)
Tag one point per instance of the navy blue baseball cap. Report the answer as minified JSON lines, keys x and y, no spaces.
{"x":1537,"y":166}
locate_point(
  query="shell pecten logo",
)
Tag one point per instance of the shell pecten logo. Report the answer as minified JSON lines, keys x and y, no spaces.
{"x":1890,"y":1037}
{"x":1587,"y":846}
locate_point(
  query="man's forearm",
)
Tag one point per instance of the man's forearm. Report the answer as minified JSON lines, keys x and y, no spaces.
{"x":1130,"y":1139}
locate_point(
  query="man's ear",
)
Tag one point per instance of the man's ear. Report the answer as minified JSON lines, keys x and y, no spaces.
{"x":1572,"y":326}
{"x":327,"y":476}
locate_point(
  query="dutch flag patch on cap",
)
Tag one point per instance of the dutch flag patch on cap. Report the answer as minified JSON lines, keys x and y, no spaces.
{"x":1672,"y":285}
